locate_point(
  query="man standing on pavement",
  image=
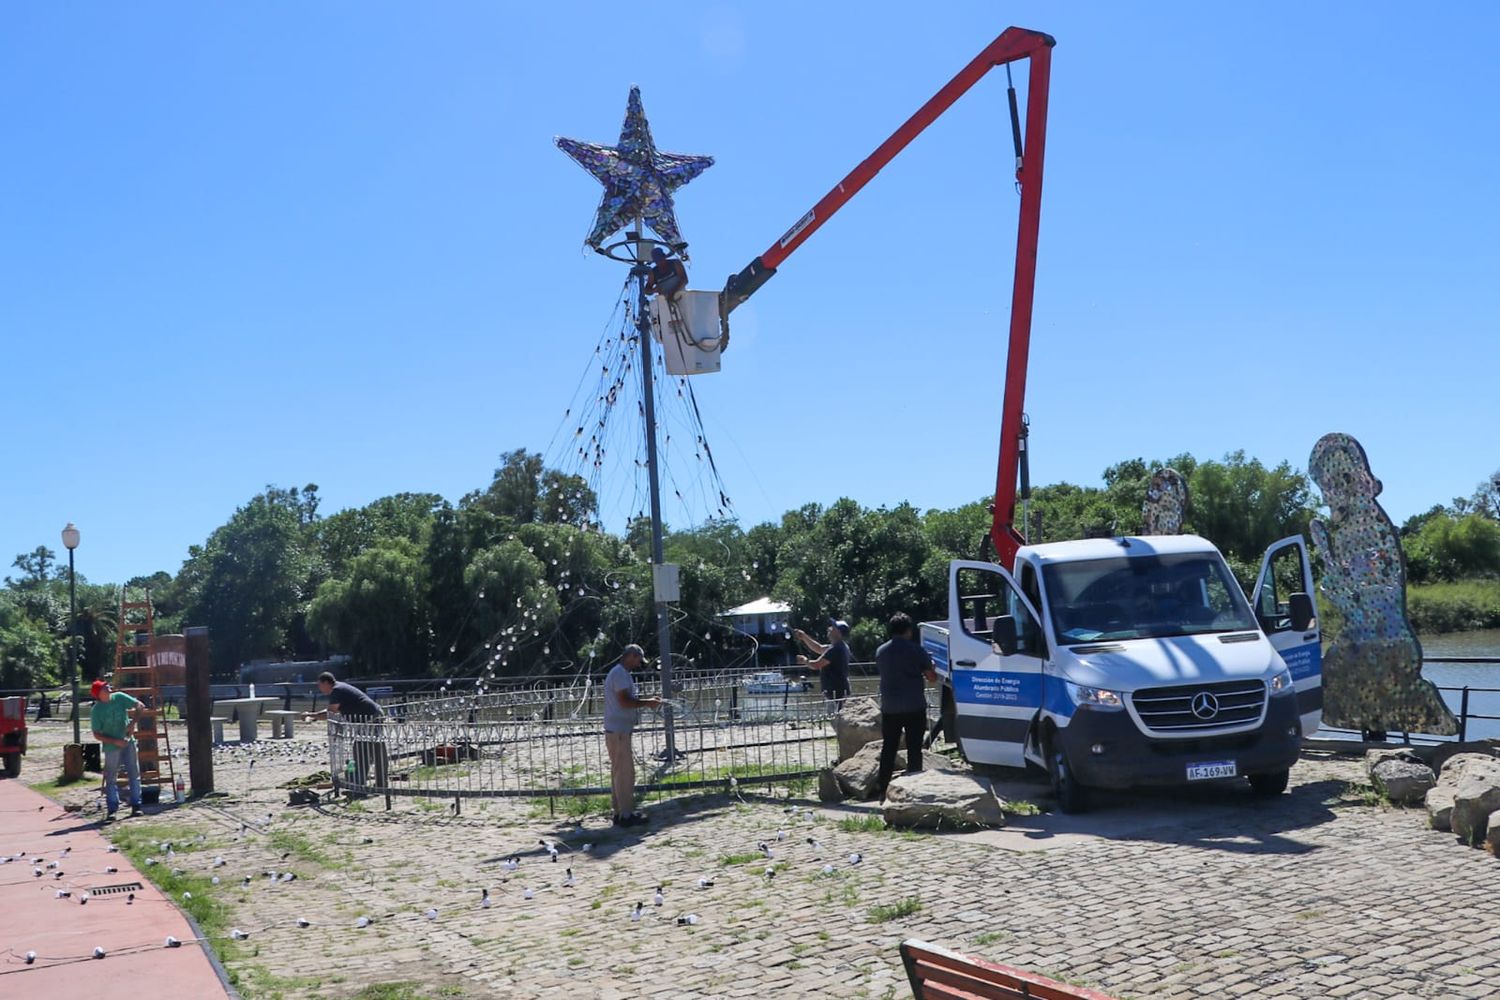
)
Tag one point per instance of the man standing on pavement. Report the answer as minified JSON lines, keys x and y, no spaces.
{"x":620,"y":705}
{"x":832,"y":661}
{"x":112,"y":721}
{"x":903,"y":665}
{"x":351,"y":704}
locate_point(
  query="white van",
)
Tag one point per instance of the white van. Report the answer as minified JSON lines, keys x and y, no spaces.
{"x":1132,"y":661}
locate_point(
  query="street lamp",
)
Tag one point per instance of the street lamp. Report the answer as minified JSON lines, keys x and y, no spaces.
{"x":70,"y":541}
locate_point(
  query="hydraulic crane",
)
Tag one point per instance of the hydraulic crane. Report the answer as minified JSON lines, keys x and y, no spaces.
{"x":1012,"y":45}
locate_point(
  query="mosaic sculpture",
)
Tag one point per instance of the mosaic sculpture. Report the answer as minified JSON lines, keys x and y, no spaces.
{"x":1372,"y":671}
{"x":638,"y":179}
{"x":1165,"y":508}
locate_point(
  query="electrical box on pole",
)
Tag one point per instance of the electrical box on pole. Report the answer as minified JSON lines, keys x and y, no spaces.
{"x":666,"y":581}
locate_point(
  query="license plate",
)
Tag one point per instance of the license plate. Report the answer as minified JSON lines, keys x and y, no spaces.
{"x":1212,"y":769}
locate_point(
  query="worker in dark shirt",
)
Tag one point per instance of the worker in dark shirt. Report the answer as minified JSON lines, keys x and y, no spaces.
{"x":832,"y":663}
{"x":351,"y":704}
{"x":668,"y":275}
{"x":904,"y":666}
{"x":346,"y":700}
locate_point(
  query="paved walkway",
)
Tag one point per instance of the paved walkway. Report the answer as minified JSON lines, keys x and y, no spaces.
{"x":36,"y":832}
{"x":1322,"y":892}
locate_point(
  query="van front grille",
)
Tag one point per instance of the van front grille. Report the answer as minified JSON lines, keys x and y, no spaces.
{"x":1195,"y":707}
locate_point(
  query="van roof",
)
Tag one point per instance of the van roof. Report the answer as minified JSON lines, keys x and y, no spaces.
{"x":1112,"y":548}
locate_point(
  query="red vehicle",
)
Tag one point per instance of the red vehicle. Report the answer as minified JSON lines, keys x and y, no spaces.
{"x":12,"y":734}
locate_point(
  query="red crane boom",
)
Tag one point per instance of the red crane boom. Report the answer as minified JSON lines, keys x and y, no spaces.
{"x":1012,"y":45}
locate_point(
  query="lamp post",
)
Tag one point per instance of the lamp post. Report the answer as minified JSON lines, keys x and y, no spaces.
{"x":70,"y":541}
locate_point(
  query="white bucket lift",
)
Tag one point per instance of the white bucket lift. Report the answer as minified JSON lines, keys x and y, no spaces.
{"x":689,"y":331}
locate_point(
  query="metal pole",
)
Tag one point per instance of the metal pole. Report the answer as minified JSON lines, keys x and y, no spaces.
{"x":663,"y":623}
{"x":73,"y":642}
{"x":1463,"y":717}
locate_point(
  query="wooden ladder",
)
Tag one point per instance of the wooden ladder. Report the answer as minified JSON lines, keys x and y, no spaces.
{"x":136,"y":675}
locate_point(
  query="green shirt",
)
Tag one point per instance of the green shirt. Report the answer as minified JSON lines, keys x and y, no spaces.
{"x":108,"y":718}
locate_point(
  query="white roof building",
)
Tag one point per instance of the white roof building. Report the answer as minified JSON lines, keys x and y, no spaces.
{"x":761,"y":616}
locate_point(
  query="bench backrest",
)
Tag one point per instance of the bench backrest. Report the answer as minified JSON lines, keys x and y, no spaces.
{"x":939,"y":974}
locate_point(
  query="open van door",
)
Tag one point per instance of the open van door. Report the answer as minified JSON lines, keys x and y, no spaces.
{"x":995,"y":654}
{"x":1285,"y":602}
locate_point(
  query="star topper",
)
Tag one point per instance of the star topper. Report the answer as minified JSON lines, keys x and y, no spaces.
{"x":638,"y":179}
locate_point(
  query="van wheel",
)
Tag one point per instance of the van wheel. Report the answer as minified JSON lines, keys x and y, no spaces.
{"x":12,"y":765}
{"x":1069,"y":794}
{"x":1269,"y":785}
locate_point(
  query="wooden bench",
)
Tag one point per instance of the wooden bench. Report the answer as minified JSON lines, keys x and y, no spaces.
{"x":939,"y":974}
{"x":281,"y":723}
{"x":218,"y":723}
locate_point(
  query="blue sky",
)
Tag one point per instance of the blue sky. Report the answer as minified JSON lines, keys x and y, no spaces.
{"x":333,"y":242}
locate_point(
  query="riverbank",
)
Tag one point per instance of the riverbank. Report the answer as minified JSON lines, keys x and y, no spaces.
{"x":1457,"y":606}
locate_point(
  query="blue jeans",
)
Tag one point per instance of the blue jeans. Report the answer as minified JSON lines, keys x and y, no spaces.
{"x":113,"y":757}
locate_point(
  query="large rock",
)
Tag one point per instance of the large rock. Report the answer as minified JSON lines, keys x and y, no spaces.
{"x":828,"y":787}
{"x":858,"y":776}
{"x":856,"y":725}
{"x":1478,"y":796}
{"x":943,"y":799}
{"x":1404,"y":782}
{"x":1439,"y":799}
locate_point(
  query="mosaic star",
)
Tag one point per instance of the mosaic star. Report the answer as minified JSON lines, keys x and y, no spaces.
{"x":638,"y":179}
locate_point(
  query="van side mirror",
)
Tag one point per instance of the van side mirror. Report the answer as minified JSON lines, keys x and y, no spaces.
{"x":1300,"y":610}
{"x":1003,"y":635}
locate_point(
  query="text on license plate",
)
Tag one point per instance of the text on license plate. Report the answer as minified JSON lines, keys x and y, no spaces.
{"x":1212,"y":769}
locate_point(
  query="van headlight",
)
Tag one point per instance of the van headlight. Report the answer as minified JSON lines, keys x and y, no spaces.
{"x":1094,"y":697}
{"x":1282,"y":682}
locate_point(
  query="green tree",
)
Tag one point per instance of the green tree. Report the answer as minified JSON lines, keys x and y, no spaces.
{"x":246,"y":581}
{"x":1453,"y":548}
{"x":30,"y":655}
{"x":36,"y":568}
{"x":1242,"y":506}
{"x":378,"y":613}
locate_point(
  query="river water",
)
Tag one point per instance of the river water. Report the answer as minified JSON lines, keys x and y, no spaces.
{"x":1471,"y":675}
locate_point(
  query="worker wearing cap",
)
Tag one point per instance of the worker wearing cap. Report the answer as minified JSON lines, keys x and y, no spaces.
{"x":112,"y":721}
{"x":832,"y":663}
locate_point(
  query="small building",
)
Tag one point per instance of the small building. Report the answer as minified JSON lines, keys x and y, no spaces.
{"x":768,"y":622}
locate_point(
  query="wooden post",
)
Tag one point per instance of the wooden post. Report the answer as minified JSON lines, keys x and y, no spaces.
{"x":199,"y":705}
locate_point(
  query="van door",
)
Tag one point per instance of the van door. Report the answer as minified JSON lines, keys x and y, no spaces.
{"x":1286,"y":570}
{"x":995,"y":656}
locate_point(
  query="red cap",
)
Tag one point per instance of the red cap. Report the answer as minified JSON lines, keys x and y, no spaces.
{"x":99,"y":688}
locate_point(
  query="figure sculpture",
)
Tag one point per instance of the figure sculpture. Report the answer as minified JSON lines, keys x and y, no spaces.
{"x":1165,"y":508}
{"x":1372,"y":670}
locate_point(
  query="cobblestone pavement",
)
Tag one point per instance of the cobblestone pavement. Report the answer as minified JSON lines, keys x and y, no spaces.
{"x":1323,"y":892}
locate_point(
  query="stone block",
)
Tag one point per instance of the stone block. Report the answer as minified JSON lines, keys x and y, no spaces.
{"x":942,"y":799}
{"x":1404,"y":782}
{"x":1477,"y":796}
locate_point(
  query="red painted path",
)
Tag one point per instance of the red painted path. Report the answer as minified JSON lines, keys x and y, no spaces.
{"x":64,"y":932}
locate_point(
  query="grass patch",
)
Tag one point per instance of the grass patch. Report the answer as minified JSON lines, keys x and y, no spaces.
{"x":742,"y":858}
{"x":52,"y":787}
{"x":990,"y":937}
{"x":745,"y":774}
{"x":894,"y":911}
{"x":1021,"y":807}
{"x":862,"y":824}
{"x":139,"y":842}
{"x":406,"y":991}
{"x":1357,"y":794}
{"x":288,"y":842}
{"x":427,"y":772}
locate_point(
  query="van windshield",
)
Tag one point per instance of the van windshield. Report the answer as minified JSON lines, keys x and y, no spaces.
{"x":1146,"y":596}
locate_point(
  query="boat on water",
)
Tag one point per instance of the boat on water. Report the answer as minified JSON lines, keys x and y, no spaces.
{"x":773,"y":682}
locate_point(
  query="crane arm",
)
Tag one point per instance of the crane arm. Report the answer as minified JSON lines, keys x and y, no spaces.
{"x":1013,"y":44}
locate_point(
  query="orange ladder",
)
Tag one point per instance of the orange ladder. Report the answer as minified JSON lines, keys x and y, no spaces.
{"x":136,"y":675}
